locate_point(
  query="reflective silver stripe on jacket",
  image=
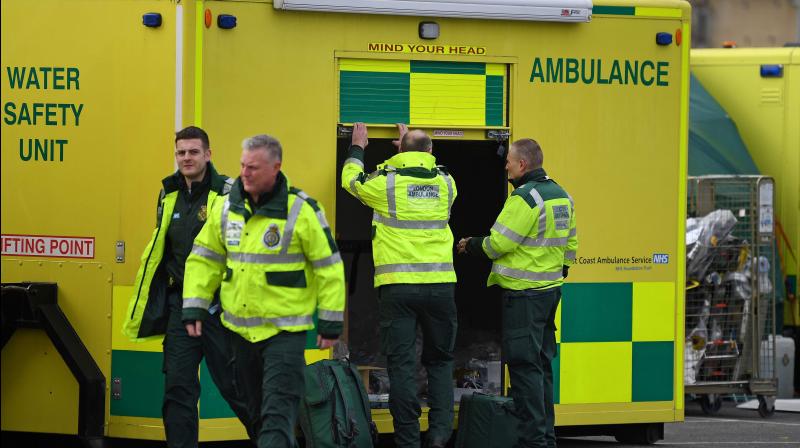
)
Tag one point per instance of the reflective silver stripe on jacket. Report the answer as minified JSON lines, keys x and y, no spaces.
{"x":390,"y":198}
{"x":542,"y":213}
{"x":409,"y":224}
{"x":354,"y":190}
{"x":413,"y":267}
{"x":569,"y":255}
{"x":528,"y":241}
{"x":249,"y":322}
{"x":223,"y":222}
{"x":526,"y":275}
{"x":327,"y":261}
{"x":207,"y":253}
{"x":449,"y":182}
{"x":291,"y":220}
{"x":196,"y":302}
{"x":335,"y":316}
{"x":493,"y":254}
{"x":266,"y":258}
{"x":355,"y":161}
{"x":508,"y":233}
{"x":573,"y":231}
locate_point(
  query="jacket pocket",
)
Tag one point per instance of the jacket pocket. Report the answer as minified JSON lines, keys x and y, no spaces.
{"x":288,"y":279}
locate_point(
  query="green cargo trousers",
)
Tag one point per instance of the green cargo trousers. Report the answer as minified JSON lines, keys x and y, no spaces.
{"x":529,"y":346}
{"x":269,"y":375}
{"x":433,"y":307}
{"x":182,"y":356}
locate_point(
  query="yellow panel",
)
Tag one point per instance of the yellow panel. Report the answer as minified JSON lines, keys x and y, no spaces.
{"x":595,"y":372}
{"x":374,"y":65}
{"x":39,"y":392}
{"x":122,"y":295}
{"x":558,"y":323}
{"x":653,"y":311}
{"x":611,"y":413}
{"x":496,"y":69}
{"x":658,"y":12}
{"x":448,"y":99}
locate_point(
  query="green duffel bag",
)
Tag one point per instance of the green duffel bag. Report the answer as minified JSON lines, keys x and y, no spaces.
{"x":486,"y":421}
{"x":335,"y":409}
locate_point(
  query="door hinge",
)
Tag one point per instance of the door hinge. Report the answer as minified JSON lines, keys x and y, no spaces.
{"x":116,"y":388}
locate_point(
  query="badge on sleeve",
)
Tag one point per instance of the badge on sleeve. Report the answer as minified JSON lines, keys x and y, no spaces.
{"x":272,"y":237}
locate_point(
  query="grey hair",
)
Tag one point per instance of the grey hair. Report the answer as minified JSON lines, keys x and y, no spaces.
{"x":530,"y":151}
{"x":266,"y":142}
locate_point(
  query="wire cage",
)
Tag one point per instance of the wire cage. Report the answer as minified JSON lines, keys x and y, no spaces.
{"x":730,"y":297}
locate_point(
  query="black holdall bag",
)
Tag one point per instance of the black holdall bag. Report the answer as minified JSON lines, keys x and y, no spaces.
{"x":335,"y":410}
{"x":486,"y":421}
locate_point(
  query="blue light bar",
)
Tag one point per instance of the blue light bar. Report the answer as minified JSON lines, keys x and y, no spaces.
{"x":771,"y":71}
{"x":151,"y":20}
{"x":664,"y":38}
{"x":226,"y":21}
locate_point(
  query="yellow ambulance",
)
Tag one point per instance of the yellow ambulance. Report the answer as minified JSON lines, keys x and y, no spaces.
{"x":93,"y":91}
{"x":760,"y":89}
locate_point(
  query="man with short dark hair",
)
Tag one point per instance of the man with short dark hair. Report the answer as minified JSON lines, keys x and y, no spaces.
{"x":412,"y":247}
{"x":270,"y":248}
{"x":532,"y":244}
{"x":155,"y":308}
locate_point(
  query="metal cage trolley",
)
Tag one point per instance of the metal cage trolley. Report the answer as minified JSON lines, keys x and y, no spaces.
{"x":730,"y":297}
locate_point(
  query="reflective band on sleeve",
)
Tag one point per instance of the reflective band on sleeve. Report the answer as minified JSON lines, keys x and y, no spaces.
{"x":266,"y":258}
{"x":354,"y":161}
{"x":528,"y":241}
{"x":410,"y":224}
{"x":525,"y":275}
{"x":508,"y":233}
{"x":573,"y":232}
{"x":196,"y":302}
{"x":413,"y":267}
{"x":322,"y":221}
{"x":449,"y":181}
{"x":353,"y":189}
{"x":249,"y":322}
{"x":487,"y":245}
{"x":291,"y":220}
{"x":208,"y":254}
{"x":223,"y":222}
{"x":390,"y":197}
{"x":336,"y":316}
{"x":327,"y":261}
{"x":545,"y":242}
{"x":569,"y":255}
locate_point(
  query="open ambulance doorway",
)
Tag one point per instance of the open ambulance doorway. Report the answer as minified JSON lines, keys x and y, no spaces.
{"x":479,"y":173}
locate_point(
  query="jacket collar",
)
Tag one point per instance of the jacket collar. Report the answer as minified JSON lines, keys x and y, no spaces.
{"x":537,"y":175}
{"x":412,"y":159}
{"x":274,"y":206}
{"x":173,"y":181}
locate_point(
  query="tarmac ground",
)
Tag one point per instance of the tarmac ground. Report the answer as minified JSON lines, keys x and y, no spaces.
{"x":729,"y":427}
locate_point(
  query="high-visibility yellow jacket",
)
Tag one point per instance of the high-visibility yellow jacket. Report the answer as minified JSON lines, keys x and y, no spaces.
{"x":411,"y":198}
{"x":276,"y":265}
{"x":148,"y":309}
{"x":533,"y":238}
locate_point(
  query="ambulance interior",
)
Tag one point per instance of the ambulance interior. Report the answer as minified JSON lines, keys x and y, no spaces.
{"x":478,"y":170}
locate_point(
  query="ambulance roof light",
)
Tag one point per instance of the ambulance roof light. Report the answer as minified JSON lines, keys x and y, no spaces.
{"x":771,"y":71}
{"x":531,"y":10}
{"x":151,"y":20}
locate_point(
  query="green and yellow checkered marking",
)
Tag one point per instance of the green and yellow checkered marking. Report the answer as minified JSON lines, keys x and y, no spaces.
{"x":615,"y":343}
{"x":422,"y":93}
